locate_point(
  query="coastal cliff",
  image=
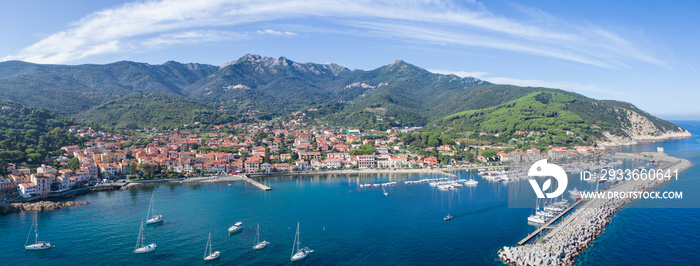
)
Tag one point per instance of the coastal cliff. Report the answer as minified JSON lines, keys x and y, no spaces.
{"x":37,"y":206}
{"x":638,"y":128}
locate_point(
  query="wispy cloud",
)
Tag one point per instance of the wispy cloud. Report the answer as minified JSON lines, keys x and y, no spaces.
{"x":191,"y":37}
{"x":276,"y":33}
{"x":152,"y":24}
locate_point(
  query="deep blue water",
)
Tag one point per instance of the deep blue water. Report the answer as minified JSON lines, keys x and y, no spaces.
{"x":343,"y":223}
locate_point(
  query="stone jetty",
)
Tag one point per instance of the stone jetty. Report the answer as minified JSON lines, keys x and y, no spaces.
{"x":561,"y":245}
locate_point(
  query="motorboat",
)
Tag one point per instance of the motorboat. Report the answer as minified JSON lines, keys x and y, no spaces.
{"x":448,"y":217}
{"x":536,"y":219}
{"x":236,"y":227}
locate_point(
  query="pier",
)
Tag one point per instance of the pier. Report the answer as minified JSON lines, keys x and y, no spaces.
{"x":447,"y":174}
{"x":256,"y":183}
{"x":575,"y":232}
{"x":548,"y":225}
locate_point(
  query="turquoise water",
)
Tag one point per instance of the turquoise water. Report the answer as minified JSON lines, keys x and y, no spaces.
{"x":343,"y":223}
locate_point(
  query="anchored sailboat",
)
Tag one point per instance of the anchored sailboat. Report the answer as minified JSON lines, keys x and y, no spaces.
{"x":210,"y":255}
{"x":157,"y":218}
{"x":140,"y":247}
{"x":300,"y":252}
{"x":38,"y":245}
{"x":386,"y":194}
{"x":259,"y":245}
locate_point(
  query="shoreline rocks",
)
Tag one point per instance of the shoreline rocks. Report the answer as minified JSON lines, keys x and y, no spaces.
{"x":37,"y":206}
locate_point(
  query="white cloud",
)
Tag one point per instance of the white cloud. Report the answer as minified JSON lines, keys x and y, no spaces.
{"x":276,"y":33}
{"x":445,"y":22}
{"x":190,"y":37}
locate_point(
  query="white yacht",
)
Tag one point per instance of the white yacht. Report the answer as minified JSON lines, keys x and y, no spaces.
{"x":300,"y":252}
{"x":553,"y":208}
{"x":259,"y":245}
{"x":38,"y":245}
{"x":236,"y":227}
{"x":208,"y":254}
{"x":545,"y":214}
{"x":386,"y":194}
{"x":471,"y":182}
{"x":156,"y":218}
{"x":140,"y":247}
{"x":448,"y":217}
{"x":536,"y":219}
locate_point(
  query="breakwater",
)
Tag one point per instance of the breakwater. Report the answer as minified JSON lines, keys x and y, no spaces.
{"x":576,"y":231}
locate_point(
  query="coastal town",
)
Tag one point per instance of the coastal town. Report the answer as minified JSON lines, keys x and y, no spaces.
{"x":262,"y":148}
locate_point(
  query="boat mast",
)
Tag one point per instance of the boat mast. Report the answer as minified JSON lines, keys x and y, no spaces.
{"x":150,"y":206}
{"x":29,"y":234}
{"x":208,"y":247}
{"x":138,"y":238}
{"x":257,"y":236}
{"x":296,"y":241}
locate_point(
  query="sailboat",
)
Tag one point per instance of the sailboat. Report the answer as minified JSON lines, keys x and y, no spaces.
{"x":140,"y":247}
{"x":259,"y":245}
{"x":210,"y":256}
{"x":157,"y":218}
{"x":300,"y":252}
{"x":386,"y":194}
{"x":38,"y":245}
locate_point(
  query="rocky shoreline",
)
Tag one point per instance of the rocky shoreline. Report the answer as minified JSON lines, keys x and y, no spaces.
{"x":615,"y":141}
{"x":37,"y":206}
{"x":572,"y":235}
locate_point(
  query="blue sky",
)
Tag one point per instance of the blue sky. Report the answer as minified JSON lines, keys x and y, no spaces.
{"x":643,"y":52}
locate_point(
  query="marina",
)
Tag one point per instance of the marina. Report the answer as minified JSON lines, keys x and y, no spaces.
{"x":565,"y":241}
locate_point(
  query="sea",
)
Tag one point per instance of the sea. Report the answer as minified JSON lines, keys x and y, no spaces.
{"x":343,"y":223}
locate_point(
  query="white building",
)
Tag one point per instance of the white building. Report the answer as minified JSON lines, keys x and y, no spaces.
{"x":26,"y":190}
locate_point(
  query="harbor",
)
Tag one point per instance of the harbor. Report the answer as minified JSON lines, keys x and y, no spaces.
{"x":564,"y":242}
{"x":334,"y":211}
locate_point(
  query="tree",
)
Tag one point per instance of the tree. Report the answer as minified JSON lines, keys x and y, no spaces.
{"x":488,"y":153}
{"x":73,"y":164}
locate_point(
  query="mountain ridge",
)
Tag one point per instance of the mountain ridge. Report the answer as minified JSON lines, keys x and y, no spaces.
{"x":394,"y":95}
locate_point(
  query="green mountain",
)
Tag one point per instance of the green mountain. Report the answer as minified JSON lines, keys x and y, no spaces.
{"x":30,"y":134}
{"x":550,"y":116}
{"x":395,"y":95}
{"x":72,"y":89}
{"x":153,"y":110}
